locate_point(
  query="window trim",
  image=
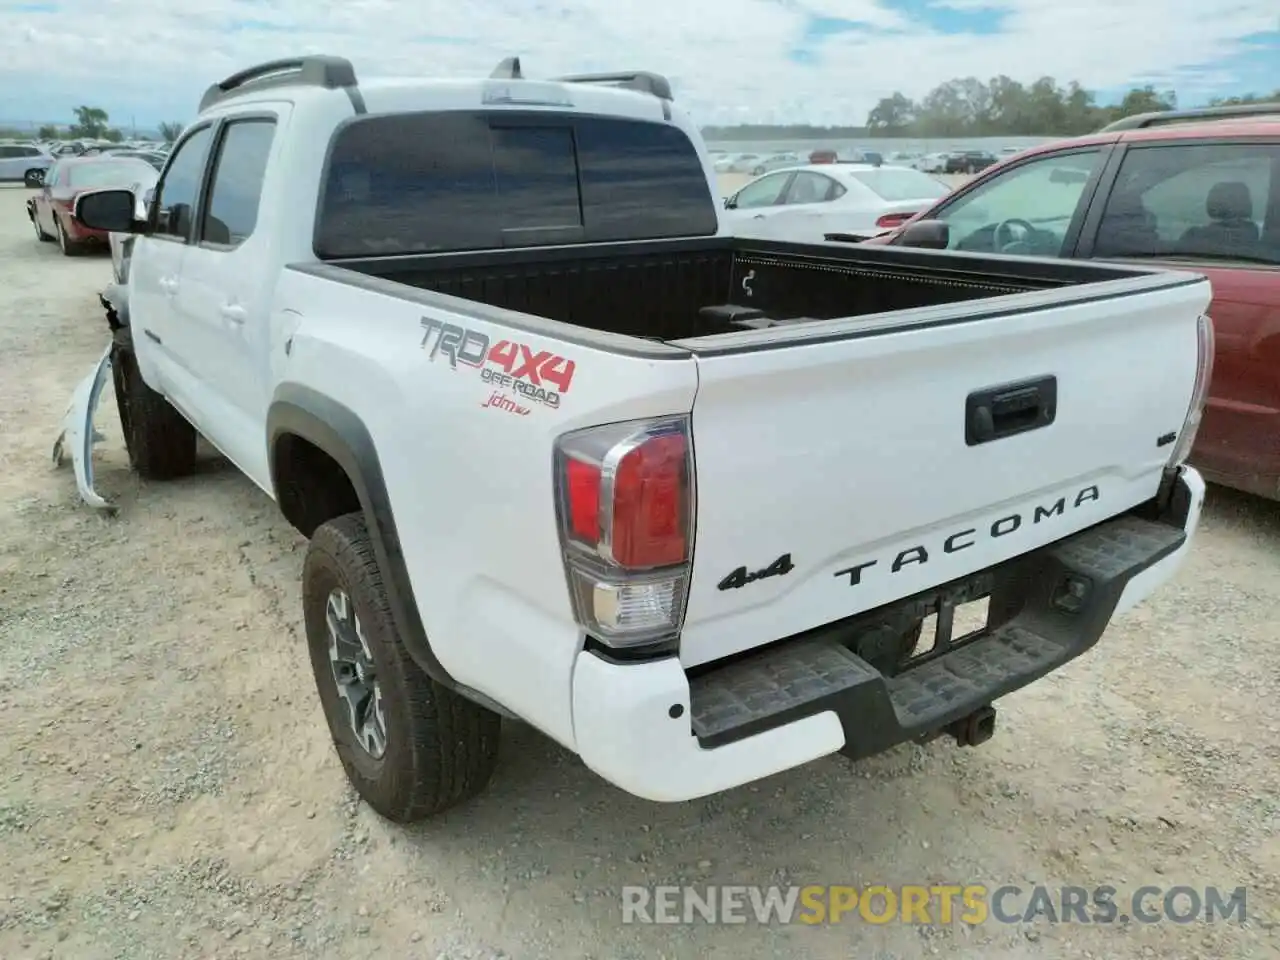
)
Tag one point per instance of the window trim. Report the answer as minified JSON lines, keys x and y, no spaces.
{"x":1103,"y":170}
{"x":202,"y":183}
{"x":208,"y":181}
{"x":1102,"y":196}
{"x":506,"y":118}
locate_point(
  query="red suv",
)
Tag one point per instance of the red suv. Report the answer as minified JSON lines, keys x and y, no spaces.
{"x":1196,"y":190}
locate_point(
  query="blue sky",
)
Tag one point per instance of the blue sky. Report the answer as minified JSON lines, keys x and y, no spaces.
{"x":822,"y":61}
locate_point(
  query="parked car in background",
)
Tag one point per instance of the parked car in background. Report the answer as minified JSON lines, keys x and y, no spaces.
{"x":805,"y":204}
{"x":1180,"y":189}
{"x":931,"y":163}
{"x":24,"y":163}
{"x":737,"y":163}
{"x":153,"y":157}
{"x":121,"y":244}
{"x":968,"y":161}
{"x":822,"y":155}
{"x":777,"y":161}
{"x":51,"y":209}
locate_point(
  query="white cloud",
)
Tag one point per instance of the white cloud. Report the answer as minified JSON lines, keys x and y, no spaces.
{"x":729,"y":59}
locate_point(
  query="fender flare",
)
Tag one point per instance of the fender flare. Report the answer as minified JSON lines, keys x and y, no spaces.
{"x":341,"y":434}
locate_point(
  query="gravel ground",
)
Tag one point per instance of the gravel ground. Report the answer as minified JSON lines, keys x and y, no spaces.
{"x":168,"y":788}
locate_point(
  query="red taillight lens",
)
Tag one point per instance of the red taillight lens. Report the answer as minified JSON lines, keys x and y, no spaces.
{"x":582,"y":485}
{"x":625,"y":507}
{"x":891,"y":220}
{"x":649,"y":494}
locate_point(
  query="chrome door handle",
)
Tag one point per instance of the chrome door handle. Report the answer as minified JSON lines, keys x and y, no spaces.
{"x":233,"y":312}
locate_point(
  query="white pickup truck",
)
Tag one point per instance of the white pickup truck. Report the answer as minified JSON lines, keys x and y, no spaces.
{"x":567,"y":452}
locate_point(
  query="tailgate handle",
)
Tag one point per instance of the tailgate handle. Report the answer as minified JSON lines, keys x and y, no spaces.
{"x":994,"y":413}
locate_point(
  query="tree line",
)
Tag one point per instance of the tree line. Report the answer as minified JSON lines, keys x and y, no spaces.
{"x":964,"y":107}
{"x":91,"y":123}
{"x":968,"y":107}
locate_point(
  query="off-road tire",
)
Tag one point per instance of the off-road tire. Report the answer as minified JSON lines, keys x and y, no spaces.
{"x":40,"y":234}
{"x":160,"y":442}
{"x":441,"y":748}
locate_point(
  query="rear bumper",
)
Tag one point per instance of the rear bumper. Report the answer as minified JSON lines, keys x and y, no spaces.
{"x":78,"y":233}
{"x":651,"y":730}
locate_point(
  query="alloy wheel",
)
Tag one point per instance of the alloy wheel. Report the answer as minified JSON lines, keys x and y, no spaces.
{"x":355,"y":674}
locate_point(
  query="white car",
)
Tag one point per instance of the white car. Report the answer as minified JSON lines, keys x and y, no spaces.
{"x":931,"y":163}
{"x":122,"y":243}
{"x":504,"y":431}
{"x":778,"y":161}
{"x":738,"y":163}
{"x":807,"y":203}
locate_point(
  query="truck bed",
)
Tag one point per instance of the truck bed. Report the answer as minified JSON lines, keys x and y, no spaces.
{"x":692,"y":288}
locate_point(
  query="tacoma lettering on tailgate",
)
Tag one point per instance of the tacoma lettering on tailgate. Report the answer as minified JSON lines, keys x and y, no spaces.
{"x":963,"y":539}
{"x":539,"y":376}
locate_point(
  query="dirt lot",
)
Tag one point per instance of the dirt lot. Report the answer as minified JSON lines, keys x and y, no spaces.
{"x":168,"y":789}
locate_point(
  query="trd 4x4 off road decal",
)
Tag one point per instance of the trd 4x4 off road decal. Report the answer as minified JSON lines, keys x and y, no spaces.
{"x":539,"y":376}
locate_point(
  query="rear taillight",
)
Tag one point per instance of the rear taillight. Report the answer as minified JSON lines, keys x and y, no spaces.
{"x":891,"y":220}
{"x":1199,"y":393}
{"x":625,"y":507}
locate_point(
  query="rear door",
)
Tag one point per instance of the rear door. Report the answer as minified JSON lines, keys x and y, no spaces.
{"x":849,"y":455}
{"x":1213,"y":207}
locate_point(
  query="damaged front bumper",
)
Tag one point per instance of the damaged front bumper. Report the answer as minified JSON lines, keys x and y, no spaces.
{"x":79,"y":435}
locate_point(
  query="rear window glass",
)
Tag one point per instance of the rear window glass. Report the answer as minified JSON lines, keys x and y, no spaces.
{"x":111,"y":173}
{"x":436,"y":182}
{"x":901,"y":184}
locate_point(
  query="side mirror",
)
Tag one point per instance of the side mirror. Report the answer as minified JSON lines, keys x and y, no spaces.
{"x":109,"y":210}
{"x":730,"y":203}
{"x":926,"y":234}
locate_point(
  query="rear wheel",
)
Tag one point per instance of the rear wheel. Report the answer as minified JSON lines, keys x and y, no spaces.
{"x":68,"y":246}
{"x":411,"y":747}
{"x":160,"y":442}
{"x":33,"y":178}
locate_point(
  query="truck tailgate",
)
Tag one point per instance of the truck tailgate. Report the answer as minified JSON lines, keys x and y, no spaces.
{"x":865,"y":457}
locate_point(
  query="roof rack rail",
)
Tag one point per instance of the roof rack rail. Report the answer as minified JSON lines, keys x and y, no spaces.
{"x":508,"y":69}
{"x":652,"y":83}
{"x":1142,"y":121}
{"x":312,"y":71}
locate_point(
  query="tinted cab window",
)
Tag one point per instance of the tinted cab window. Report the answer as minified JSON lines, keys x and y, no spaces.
{"x":1025,"y":209}
{"x":458,"y":181}
{"x":1205,"y":200}
{"x":179,"y":190}
{"x":237,"y":182}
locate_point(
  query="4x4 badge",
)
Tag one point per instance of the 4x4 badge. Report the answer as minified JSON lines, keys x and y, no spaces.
{"x":740,"y":577}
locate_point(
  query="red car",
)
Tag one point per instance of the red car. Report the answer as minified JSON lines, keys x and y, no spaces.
{"x":1195,"y":190}
{"x":51,"y":209}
